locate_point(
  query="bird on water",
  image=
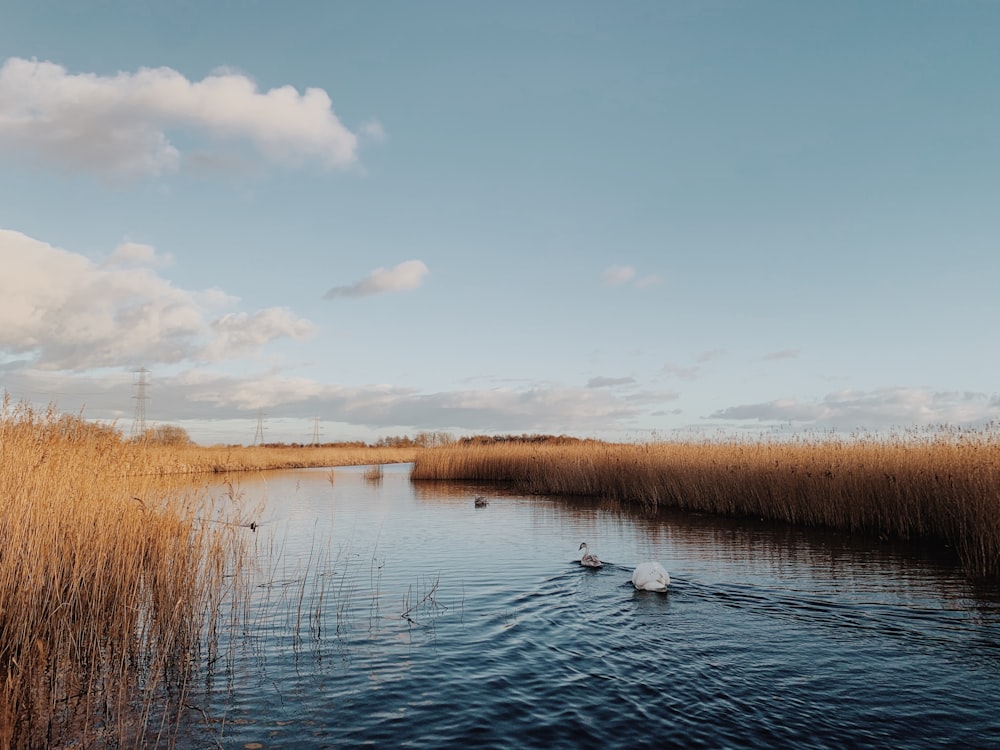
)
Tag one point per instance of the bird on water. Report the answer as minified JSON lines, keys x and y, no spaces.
{"x":589,"y":559}
{"x":650,"y":576}
{"x":481,"y":502}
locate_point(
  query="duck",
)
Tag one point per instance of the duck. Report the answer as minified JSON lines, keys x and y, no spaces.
{"x":650,"y":576}
{"x":481,"y":502}
{"x":589,"y":559}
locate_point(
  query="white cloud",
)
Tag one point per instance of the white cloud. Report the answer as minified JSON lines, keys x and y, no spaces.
{"x":619,"y":275}
{"x":240,"y":334}
{"x":119,"y":124}
{"x":541,"y":409}
{"x":63,"y":311}
{"x":373,"y":130}
{"x":881,"y":409}
{"x":136,"y":253}
{"x":223,"y":404}
{"x":407,"y":275}
{"x":219,"y":395}
{"x":206,"y":395}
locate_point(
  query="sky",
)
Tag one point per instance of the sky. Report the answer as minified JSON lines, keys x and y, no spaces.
{"x":628,"y":221}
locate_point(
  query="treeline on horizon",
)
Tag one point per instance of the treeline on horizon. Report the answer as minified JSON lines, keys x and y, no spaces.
{"x":437,"y":439}
{"x":175,"y":435}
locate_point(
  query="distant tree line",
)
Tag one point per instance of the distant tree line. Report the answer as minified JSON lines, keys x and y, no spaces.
{"x":420,"y":440}
{"x":174,"y":435}
{"x":524,"y":438}
{"x":165,"y":434}
{"x":439,"y":439}
{"x":335,"y":444}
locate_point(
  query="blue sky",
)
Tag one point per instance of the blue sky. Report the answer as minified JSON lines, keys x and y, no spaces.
{"x":616,"y":220}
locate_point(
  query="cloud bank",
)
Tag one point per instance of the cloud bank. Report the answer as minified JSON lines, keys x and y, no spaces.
{"x":61,"y":310}
{"x":119,"y":124}
{"x":880,"y":409}
{"x":407,"y":275}
{"x":204,"y":395}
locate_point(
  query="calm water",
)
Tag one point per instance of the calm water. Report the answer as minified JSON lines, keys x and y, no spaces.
{"x":398,"y":615}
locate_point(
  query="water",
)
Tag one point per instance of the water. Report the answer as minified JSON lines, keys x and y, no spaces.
{"x":397,"y":614}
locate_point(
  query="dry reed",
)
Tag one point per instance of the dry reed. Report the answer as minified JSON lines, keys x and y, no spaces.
{"x":943,"y":487}
{"x":107,"y":582}
{"x":196,"y":459}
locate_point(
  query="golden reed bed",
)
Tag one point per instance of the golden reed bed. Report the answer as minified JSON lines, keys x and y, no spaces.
{"x":197,"y":459}
{"x":109,"y":578}
{"x":114,"y":573}
{"x":943,"y":487}
{"x":112,"y":583}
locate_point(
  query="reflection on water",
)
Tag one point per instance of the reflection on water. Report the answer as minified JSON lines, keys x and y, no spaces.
{"x":391,"y":613}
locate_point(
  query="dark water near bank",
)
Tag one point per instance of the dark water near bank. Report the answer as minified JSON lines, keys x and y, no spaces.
{"x":394,"y":614}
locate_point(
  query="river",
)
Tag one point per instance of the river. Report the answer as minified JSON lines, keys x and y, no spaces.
{"x":397,"y":614}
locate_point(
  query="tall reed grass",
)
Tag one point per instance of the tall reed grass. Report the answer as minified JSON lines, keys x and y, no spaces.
{"x":197,"y":459}
{"x":943,"y":487}
{"x":108,"y":580}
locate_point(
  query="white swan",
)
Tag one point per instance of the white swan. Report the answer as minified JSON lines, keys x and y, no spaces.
{"x":650,"y":576}
{"x":481,"y":502}
{"x":589,"y":559}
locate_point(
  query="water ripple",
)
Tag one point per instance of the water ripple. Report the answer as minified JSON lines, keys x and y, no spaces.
{"x":432,"y":643}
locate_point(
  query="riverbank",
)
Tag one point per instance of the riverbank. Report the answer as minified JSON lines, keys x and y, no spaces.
{"x":944,"y":488}
{"x":109,"y":578}
{"x":196,"y":459}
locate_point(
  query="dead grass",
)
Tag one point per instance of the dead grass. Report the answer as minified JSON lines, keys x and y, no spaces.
{"x":196,"y":459}
{"x":943,"y":487}
{"x":108,"y":577}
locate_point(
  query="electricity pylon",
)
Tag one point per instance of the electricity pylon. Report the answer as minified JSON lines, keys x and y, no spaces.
{"x":258,"y":437}
{"x":139,"y":417}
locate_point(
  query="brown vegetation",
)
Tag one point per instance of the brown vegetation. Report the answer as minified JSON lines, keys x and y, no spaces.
{"x":197,"y":459}
{"x":943,"y":486}
{"x":112,"y":581}
{"x":107,"y":581}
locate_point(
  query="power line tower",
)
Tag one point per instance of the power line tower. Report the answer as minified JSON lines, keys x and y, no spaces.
{"x":139,"y":416}
{"x":258,"y":437}
{"x":315,"y":431}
